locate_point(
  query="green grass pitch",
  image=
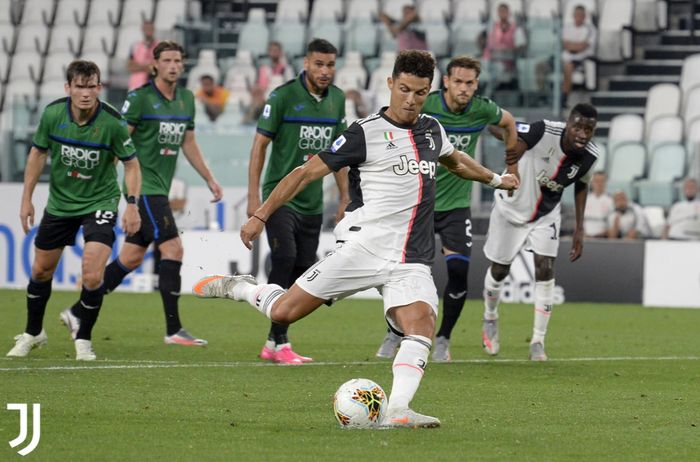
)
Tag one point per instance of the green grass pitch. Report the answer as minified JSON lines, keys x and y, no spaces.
{"x":623,"y":383}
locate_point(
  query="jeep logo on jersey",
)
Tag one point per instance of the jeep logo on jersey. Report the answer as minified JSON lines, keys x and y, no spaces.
{"x":415,"y":167}
{"x":79,"y":157}
{"x":314,"y":138}
{"x":548,"y":183}
{"x":460,"y":142}
{"x":171,"y":132}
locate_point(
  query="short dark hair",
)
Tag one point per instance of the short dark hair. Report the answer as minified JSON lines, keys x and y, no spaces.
{"x":82,"y":68}
{"x":580,"y":7}
{"x":206,"y":77}
{"x":466,"y":62}
{"x":319,"y":45}
{"x":586,"y":110}
{"x":415,"y":62}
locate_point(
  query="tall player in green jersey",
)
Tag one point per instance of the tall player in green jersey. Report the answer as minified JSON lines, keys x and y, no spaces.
{"x":301,"y":118}
{"x":83,"y":136}
{"x":464,"y":115}
{"x":161,"y":121}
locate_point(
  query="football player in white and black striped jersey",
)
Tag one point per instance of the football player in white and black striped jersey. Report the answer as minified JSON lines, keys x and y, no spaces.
{"x":550,"y":156}
{"x":386,"y":239}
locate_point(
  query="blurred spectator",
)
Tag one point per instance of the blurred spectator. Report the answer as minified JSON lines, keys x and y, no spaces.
{"x":598,"y":206}
{"x":578,"y":43}
{"x":355,"y":96}
{"x":684,"y":217}
{"x":502,"y":44}
{"x":408,"y":32}
{"x":627,"y":220}
{"x":278,"y":66}
{"x":212,"y":95}
{"x":141,"y":56}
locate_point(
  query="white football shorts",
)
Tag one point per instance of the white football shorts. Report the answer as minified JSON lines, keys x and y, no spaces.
{"x":351,"y":268}
{"x":504,"y":239}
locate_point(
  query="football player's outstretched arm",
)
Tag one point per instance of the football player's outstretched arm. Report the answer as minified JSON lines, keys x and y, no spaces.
{"x":465,"y":167}
{"x":580,"y":195}
{"x":286,"y":189}
{"x":35,"y":165}
{"x":255,"y":167}
{"x":510,"y":138}
{"x":341,"y":179}
{"x":131,"y":221}
{"x":196,"y":160}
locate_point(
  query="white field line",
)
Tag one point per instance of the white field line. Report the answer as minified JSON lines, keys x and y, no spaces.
{"x":137,"y":364}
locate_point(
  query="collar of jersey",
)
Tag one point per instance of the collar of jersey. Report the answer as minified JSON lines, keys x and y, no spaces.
{"x":161,"y":95}
{"x":447,"y":108}
{"x":302,"y":80}
{"x":92,"y":119}
{"x":394,"y":123}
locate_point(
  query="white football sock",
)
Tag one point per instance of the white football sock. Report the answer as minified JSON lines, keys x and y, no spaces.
{"x":544,"y":298}
{"x":492,"y":295}
{"x":261,"y":297}
{"x":408,"y":369}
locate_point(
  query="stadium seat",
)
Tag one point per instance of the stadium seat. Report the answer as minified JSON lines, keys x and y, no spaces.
{"x":135,"y":12}
{"x":624,"y":128}
{"x":664,"y":130}
{"x":18,"y":91}
{"x":434,"y":11}
{"x":292,"y":36}
{"x":465,"y":35}
{"x":330,"y":31}
{"x":294,"y":11}
{"x":51,"y":90}
{"x":438,"y":38}
{"x":66,"y":38}
{"x":32,"y":38}
{"x":242,"y":66}
{"x":239,"y":91}
{"x":690,"y":74}
{"x":206,"y":65}
{"x":469,"y":10}
{"x":230,"y":120}
{"x":542,"y":9}
{"x":55,"y":66}
{"x":38,"y":12}
{"x":71,"y":13}
{"x":692,"y":142}
{"x":169,"y":13}
{"x":353,"y":74}
{"x":626,"y":166}
{"x":655,"y":219}
{"x":99,"y":37}
{"x":692,"y":105}
{"x":26,"y":65}
{"x":667,"y":166}
{"x":254,"y":33}
{"x":8,"y":14}
{"x":361,"y":37}
{"x":128,"y":36}
{"x":541,"y":39}
{"x":328,"y":11}
{"x":601,"y":163}
{"x":650,"y":15}
{"x":614,"y":33}
{"x":361,"y":11}
{"x":4,"y":67}
{"x":7,"y":38}
{"x":664,"y":99}
{"x":108,"y":13}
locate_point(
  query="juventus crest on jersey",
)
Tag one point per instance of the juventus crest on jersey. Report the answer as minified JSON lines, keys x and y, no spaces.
{"x":392,"y":185}
{"x":545,"y":170}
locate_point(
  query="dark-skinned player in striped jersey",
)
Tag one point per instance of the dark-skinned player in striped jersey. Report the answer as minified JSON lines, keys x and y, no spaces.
{"x":464,"y":116}
{"x":550,"y":156}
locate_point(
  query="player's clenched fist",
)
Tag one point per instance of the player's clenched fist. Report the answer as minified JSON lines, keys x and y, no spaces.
{"x":509,"y":182}
{"x":251,"y":230}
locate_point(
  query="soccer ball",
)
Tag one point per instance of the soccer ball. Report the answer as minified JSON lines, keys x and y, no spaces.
{"x":359,"y":403}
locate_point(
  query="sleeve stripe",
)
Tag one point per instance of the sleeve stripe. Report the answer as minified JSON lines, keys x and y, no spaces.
{"x":41,"y":148}
{"x":124,"y":159}
{"x":265,"y":132}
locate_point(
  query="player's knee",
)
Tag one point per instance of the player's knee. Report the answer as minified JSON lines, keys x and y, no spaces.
{"x":457,"y":272}
{"x":282,"y":313}
{"x":499,"y":272}
{"x":172,"y":250}
{"x":42,"y":272}
{"x":544,"y":268}
{"x":92,"y":278}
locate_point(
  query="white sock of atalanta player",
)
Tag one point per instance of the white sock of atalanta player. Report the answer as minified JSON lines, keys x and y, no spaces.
{"x":492,"y":295}
{"x":409,"y":367}
{"x":544,"y":298}
{"x":260,"y":296}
